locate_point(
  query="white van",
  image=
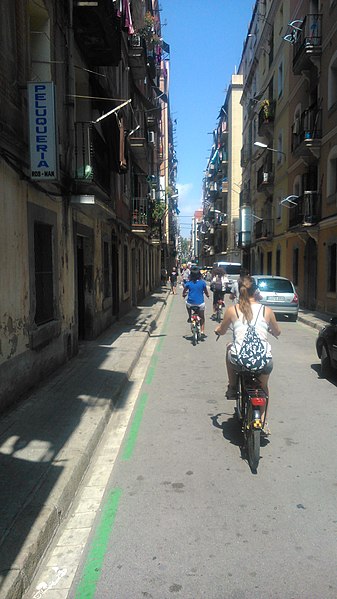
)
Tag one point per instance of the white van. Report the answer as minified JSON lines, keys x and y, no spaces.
{"x":232,"y":270}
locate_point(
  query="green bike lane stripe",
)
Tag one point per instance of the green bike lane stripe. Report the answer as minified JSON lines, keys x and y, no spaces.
{"x":91,"y":573}
{"x":141,"y":403}
{"x":93,"y":565}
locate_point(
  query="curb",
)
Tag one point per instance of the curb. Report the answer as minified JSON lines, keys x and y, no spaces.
{"x":47,"y":516}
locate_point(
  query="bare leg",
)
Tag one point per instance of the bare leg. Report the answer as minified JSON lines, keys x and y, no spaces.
{"x":202,"y":320}
{"x":263,"y":378}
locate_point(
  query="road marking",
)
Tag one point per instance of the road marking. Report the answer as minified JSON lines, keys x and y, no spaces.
{"x":133,"y":433}
{"x":93,"y":565}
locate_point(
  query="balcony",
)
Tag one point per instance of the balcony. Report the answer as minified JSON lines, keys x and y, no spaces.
{"x":266,"y":118}
{"x":307,"y":211}
{"x":307,"y":44}
{"x":307,"y":133}
{"x":140,"y":215}
{"x":137,"y":56}
{"x":264,"y":229}
{"x":139,"y":149}
{"x":97,"y":32}
{"x":92,"y":165}
{"x":265,"y":179}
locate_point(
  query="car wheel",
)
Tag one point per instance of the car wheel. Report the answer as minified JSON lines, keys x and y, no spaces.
{"x":325,"y":362}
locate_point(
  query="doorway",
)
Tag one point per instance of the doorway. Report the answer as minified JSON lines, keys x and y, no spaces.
{"x":115,"y":276}
{"x":310,"y":274}
{"x":80,"y":288}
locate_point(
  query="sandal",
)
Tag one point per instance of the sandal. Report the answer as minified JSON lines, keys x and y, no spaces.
{"x":231,"y":393}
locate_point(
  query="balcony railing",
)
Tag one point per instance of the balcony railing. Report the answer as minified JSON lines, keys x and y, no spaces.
{"x":307,"y":43}
{"x":266,"y":117}
{"x":307,"y":210}
{"x":140,"y":213}
{"x":263,"y":229}
{"x":91,"y":156}
{"x":307,"y":131}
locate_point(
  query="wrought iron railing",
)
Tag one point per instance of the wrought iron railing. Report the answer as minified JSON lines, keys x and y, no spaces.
{"x":307,"y":210}
{"x":91,"y":156}
{"x":308,"y":35}
{"x":264,"y":229}
{"x":307,"y":127}
{"x":140,"y":212}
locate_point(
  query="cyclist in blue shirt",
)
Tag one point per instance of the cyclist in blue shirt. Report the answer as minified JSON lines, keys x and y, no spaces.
{"x":196,"y":288}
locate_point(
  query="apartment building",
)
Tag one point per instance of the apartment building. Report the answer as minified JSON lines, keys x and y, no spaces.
{"x":289,"y":184}
{"x":222,"y":182}
{"x":82,"y":151}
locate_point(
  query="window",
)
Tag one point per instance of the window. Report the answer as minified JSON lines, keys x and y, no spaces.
{"x":269,"y":262}
{"x":332,"y":82}
{"x":280,"y":148}
{"x":295,"y":266}
{"x":332,"y":173}
{"x":126,"y":269}
{"x":44,"y":284}
{"x":106,"y":270}
{"x":280,"y":79}
{"x":332,"y":262}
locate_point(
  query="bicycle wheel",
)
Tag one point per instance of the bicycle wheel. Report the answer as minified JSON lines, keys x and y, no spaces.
{"x":194,"y":335}
{"x":253,"y":447}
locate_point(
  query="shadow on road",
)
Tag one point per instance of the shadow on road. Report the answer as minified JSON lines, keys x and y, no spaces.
{"x":332,"y":377}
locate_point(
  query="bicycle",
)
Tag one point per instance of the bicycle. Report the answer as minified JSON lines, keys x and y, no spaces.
{"x":219,"y":310}
{"x":250,"y":399}
{"x":195,"y":324}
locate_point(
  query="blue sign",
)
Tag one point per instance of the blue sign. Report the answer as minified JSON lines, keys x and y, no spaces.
{"x":42,"y":131}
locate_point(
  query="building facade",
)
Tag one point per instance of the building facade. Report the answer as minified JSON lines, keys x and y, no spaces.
{"x":222,"y":182}
{"x":83,"y":88}
{"x":288,"y":199}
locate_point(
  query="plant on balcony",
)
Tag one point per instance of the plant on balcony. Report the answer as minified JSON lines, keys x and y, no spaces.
{"x":148,"y":33}
{"x":266,"y":107}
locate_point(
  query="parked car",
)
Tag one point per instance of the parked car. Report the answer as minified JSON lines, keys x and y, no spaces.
{"x":326,"y":347}
{"x":279,"y":294}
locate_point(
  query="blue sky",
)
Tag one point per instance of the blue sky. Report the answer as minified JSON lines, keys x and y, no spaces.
{"x":206,"y":41}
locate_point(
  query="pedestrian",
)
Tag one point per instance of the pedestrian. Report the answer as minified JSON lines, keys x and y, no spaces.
{"x":173,"y":280}
{"x":186,"y":273}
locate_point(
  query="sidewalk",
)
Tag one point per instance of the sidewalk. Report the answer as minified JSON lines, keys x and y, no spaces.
{"x":316,"y":320}
{"x":46,"y":443}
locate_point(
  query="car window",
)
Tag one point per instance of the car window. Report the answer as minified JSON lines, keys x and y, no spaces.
{"x":276,"y":285}
{"x":233,"y":269}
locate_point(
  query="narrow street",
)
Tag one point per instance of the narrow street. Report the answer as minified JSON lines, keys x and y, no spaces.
{"x":182,"y":514}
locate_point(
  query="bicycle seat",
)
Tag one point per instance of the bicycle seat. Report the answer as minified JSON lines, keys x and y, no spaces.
{"x":195,"y":308}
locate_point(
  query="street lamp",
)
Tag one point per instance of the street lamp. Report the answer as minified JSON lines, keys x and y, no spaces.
{"x":266,"y":147}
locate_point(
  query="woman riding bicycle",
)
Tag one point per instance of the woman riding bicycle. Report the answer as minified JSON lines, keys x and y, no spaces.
{"x":196,"y":288}
{"x":248,"y":310}
{"x":218,"y":286}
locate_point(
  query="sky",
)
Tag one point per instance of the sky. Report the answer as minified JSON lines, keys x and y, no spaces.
{"x":206,"y":40}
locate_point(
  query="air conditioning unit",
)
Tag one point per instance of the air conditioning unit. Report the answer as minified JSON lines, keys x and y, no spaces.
{"x":135,"y":41}
{"x":151,"y":137}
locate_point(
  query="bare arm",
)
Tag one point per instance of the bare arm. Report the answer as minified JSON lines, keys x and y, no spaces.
{"x":272,"y":322}
{"x":226,"y":321}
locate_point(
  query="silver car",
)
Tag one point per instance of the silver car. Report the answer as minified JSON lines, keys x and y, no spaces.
{"x":279,"y":294}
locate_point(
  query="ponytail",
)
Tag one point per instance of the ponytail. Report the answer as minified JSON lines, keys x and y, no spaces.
{"x":244,"y":304}
{"x":247,"y":288}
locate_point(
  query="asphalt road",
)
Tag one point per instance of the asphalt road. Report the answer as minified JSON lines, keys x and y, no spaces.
{"x":183,"y":516}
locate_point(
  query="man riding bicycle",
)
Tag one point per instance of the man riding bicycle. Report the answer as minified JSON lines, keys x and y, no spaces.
{"x":196,"y":288}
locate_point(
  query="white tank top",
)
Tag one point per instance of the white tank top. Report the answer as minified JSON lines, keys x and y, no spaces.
{"x":240,"y":327}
